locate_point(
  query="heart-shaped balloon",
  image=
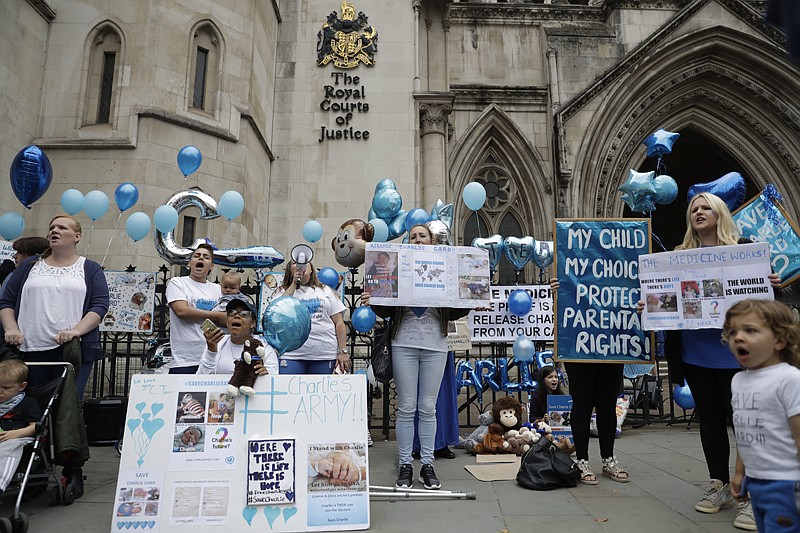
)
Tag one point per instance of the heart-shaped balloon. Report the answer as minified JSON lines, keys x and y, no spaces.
{"x":543,"y":253}
{"x":493,"y":245}
{"x":519,"y":250}
{"x":133,"y":423}
{"x":289,"y":512}
{"x":730,"y":188}
{"x":156,"y":408}
{"x":248,"y":513}
{"x":387,"y":203}
{"x":271,"y":513}
{"x":150,"y":427}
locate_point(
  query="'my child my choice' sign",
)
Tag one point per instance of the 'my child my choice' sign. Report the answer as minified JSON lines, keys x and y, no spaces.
{"x":597,"y":267}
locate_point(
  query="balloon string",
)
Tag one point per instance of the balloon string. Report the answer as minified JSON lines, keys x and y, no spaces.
{"x":103,"y":262}
{"x":658,"y":242}
{"x":478,"y":223}
{"x":89,"y":240}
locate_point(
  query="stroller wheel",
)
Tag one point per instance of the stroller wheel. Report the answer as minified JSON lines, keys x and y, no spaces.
{"x":5,"y":525}
{"x":20,"y":524}
{"x":55,"y":495}
{"x":118,"y":446}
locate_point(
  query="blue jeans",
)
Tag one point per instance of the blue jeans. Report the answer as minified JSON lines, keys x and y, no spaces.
{"x":300,"y":366}
{"x":417,"y":377}
{"x":775,"y":504}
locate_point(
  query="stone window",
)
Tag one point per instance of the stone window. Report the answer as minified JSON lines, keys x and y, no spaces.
{"x":205,"y":68}
{"x":105,"y":59}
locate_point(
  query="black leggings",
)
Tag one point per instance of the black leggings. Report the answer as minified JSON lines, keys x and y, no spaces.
{"x":711,"y":390}
{"x":594,"y":386}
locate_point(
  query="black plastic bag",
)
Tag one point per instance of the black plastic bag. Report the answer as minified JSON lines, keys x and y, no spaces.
{"x":546,"y":467}
{"x":382,"y":354}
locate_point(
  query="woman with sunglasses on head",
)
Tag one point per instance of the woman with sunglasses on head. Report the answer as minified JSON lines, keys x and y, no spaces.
{"x":222,"y":350}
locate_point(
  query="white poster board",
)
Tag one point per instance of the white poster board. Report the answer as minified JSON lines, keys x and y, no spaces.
{"x":499,"y":324}
{"x":132,"y":301}
{"x":196,"y":459}
{"x":692,"y":289}
{"x":426,"y":276}
{"x":7,"y":250}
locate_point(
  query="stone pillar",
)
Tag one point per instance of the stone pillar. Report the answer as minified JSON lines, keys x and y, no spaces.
{"x":416,"y":4}
{"x":434,"y":108}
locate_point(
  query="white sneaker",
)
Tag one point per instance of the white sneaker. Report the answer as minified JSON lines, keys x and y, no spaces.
{"x":717,"y":496}
{"x":744,"y":517}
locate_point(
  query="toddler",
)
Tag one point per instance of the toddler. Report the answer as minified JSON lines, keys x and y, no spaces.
{"x":230,"y":284}
{"x":18,"y":416}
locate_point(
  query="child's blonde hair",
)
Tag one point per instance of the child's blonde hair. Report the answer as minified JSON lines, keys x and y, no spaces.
{"x":778,"y":317}
{"x":231,"y":276}
{"x":14,"y":369}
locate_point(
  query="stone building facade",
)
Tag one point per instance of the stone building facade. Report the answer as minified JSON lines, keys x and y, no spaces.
{"x":547,"y":103}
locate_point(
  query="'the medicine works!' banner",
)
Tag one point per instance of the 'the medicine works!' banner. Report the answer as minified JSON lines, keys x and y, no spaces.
{"x":499,"y":324}
{"x":597,"y":267}
{"x":426,"y":276}
{"x":692,"y":289}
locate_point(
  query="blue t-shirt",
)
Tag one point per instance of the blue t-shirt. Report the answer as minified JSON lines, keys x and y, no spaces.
{"x":703,"y":347}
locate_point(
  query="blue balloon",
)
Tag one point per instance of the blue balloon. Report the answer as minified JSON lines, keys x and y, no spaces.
{"x":416,"y":217}
{"x":543,"y":253}
{"x":387,"y":203}
{"x":660,"y":142}
{"x":519,"y":250}
{"x":683,"y":396}
{"x":519,"y":302}
{"x":329,"y":277}
{"x":474,"y":195}
{"x":730,"y":188}
{"x":231,"y":205}
{"x":493,"y":245}
{"x":312,"y":231}
{"x":363,"y":319}
{"x":126,"y":195}
{"x":397,"y":225}
{"x":95,"y":204}
{"x":371,"y":214}
{"x":11,"y":226}
{"x":189,"y":159}
{"x":31,"y":174}
{"x":137,"y":226}
{"x":472,"y":379}
{"x":523,"y":349}
{"x":385,"y":183}
{"x":639,"y":192}
{"x":666,"y":189}
{"x":286,"y":324}
{"x":165,"y":218}
{"x":380,"y":230}
{"x":72,"y":201}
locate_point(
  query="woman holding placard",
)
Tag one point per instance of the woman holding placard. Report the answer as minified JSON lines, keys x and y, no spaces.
{"x":419,"y":354}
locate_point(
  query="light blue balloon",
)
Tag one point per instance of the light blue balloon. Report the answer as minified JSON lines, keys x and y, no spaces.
{"x":231,"y":205}
{"x":523,"y":349}
{"x":381,"y":230}
{"x":416,"y":217}
{"x":474,"y":195}
{"x":126,"y":195}
{"x":363,"y":319}
{"x":286,"y":324}
{"x":397,"y":225}
{"x":137,"y":226}
{"x":493,"y":245}
{"x":11,"y":226}
{"x":519,"y":302}
{"x":72,"y":201}
{"x":165,"y":218}
{"x":312,"y":231}
{"x":329,"y":277}
{"x":666,"y":189}
{"x":189,"y":159}
{"x":387,"y":203}
{"x":385,"y":183}
{"x":371,"y":214}
{"x":95,"y":204}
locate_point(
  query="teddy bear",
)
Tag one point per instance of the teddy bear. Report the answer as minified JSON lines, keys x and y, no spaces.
{"x":244,"y":372}
{"x":476,"y":437}
{"x":507,"y":414}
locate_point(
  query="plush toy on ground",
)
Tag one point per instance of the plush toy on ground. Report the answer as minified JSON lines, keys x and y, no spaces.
{"x":520,"y":441}
{"x":244,"y":372}
{"x":507,"y":414}
{"x":476,"y":437}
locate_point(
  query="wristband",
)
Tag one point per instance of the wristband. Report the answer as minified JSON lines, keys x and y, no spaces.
{"x":342,"y":351}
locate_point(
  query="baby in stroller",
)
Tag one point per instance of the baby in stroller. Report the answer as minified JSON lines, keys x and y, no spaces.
{"x":18,"y":416}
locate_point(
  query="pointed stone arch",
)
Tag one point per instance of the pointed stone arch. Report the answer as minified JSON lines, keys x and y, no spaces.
{"x":494,"y":139}
{"x":105,"y":38}
{"x":715,"y":80}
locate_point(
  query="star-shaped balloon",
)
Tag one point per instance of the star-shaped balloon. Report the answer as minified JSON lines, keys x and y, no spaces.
{"x":638,"y":191}
{"x":660,"y":142}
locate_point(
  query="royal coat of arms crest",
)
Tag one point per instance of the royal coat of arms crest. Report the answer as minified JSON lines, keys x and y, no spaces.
{"x":347,"y":41}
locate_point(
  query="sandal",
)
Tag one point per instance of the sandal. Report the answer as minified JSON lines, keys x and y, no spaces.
{"x":612,"y":469}
{"x":587,"y":476}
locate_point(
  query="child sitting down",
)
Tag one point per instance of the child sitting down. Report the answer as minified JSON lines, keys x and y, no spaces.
{"x":18,"y":416}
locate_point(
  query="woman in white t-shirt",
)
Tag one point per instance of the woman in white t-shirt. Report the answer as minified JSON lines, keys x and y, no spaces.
{"x":326,"y":347}
{"x":222,"y":350}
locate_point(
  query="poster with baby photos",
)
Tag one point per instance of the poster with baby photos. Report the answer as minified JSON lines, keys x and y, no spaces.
{"x":132,"y":301}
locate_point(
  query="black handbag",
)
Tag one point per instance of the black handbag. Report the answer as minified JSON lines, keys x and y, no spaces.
{"x":382,"y":354}
{"x":546,"y":467}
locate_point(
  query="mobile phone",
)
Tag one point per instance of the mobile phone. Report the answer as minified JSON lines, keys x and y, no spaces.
{"x":207,"y":325}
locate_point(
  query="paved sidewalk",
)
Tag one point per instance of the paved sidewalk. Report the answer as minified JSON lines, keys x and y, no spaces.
{"x":666,"y":466}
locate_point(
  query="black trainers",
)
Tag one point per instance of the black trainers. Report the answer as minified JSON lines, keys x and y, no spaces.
{"x":74,"y":477}
{"x":406,"y":477}
{"x":428,"y":478}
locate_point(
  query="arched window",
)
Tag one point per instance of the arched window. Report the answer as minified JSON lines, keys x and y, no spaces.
{"x":205,"y":62}
{"x":105,"y":58}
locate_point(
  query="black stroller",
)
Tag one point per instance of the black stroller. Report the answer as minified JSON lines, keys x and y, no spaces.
{"x":36,"y":466}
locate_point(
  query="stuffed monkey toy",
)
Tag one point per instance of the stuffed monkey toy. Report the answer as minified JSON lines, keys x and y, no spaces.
{"x":507,"y":414}
{"x":244,"y":373}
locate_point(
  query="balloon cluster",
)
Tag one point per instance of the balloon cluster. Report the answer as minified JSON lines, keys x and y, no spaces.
{"x":643,"y":190}
{"x":518,"y":250}
{"x":386,"y":215}
{"x":494,"y":373}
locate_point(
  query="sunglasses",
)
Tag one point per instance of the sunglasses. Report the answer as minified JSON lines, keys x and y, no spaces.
{"x":244,"y":313}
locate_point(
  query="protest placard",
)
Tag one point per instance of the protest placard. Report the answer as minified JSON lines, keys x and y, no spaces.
{"x":692,"y":289}
{"x":559,"y":412}
{"x":413,"y":275}
{"x":764,"y":220}
{"x":498,"y":324}
{"x":596,"y":265}
{"x":132,"y":300}
{"x":7,"y":250}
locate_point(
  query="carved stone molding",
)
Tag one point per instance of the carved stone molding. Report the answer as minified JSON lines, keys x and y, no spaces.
{"x":525,"y":95}
{"x":434,"y":108}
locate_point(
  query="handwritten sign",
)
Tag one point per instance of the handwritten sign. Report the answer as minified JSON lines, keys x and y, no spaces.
{"x":7,"y":250}
{"x":692,"y":289}
{"x":426,"y":276}
{"x":597,"y":267}
{"x":499,"y":324}
{"x":270,"y":471}
{"x":764,"y":220}
{"x":132,"y":300}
